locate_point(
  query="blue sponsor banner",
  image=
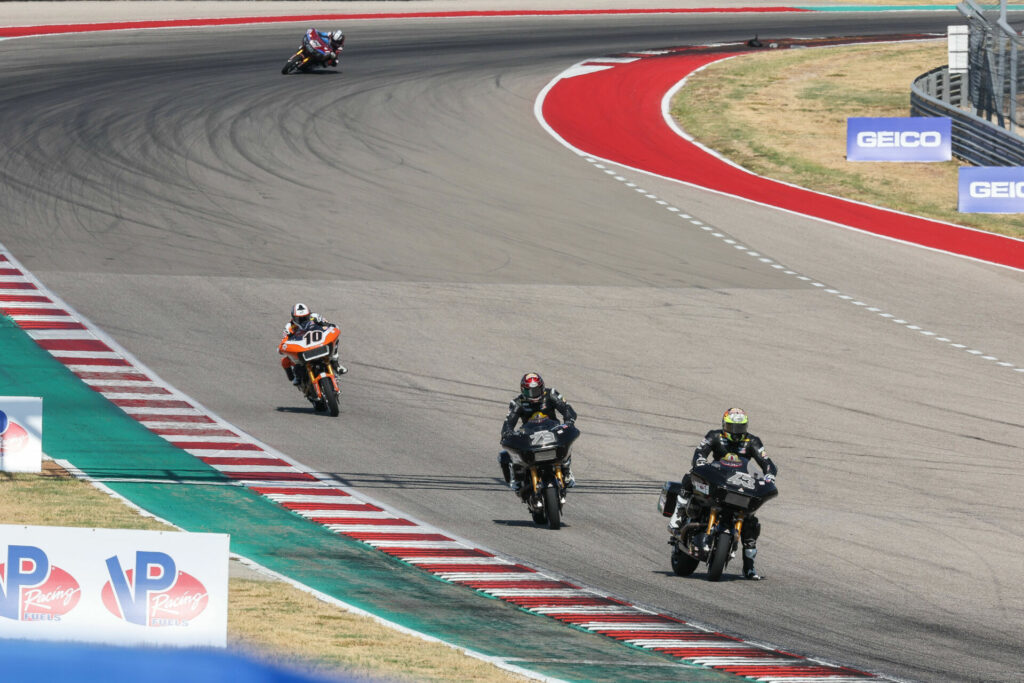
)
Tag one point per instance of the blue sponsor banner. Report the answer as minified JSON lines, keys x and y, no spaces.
{"x":991,"y":189}
{"x":912,"y":138}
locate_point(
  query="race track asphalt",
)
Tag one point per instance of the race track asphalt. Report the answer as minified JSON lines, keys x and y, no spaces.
{"x":179,"y":192}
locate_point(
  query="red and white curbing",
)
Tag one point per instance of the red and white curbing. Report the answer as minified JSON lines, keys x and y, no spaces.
{"x":110,"y":370}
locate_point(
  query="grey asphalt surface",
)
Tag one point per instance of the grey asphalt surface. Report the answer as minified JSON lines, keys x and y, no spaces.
{"x":179,"y":192}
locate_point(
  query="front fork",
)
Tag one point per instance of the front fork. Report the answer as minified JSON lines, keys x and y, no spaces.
{"x":314,"y":381}
{"x":737,"y":524}
{"x":535,"y":479}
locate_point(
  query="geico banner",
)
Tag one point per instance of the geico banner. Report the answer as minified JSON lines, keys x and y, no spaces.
{"x":21,"y":434}
{"x":914,"y":138}
{"x":991,"y":189}
{"x":117,"y":586}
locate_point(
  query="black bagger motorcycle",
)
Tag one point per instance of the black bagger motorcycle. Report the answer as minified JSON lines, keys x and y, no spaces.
{"x":725,"y":492}
{"x":539,"y":451}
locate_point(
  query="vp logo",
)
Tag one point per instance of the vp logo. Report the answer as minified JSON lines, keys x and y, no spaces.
{"x":27,"y":567}
{"x":154,"y":573}
{"x":31,"y":589}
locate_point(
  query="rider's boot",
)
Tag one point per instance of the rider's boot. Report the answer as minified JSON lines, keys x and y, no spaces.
{"x":292,"y":377}
{"x":678,"y":519}
{"x":506,"y":464}
{"x":749,"y":553}
{"x":570,"y":480}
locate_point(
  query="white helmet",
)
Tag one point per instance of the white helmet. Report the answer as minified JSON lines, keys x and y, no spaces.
{"x":300,"y":314}
{"x":337,"y":38}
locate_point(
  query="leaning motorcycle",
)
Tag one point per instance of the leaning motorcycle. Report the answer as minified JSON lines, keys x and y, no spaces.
{"x":313,"y":349}
{"x":540,"y":453}
{"x":725,"y":493}
{"x":304,"y":60}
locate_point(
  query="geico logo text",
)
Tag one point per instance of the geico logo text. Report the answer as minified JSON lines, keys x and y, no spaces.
{"x":997,"y":189}
{"x":895,"y":138}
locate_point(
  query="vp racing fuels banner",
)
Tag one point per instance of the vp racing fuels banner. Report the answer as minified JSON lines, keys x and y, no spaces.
{"x":991,"y":189}
{"x":117,"y":586}
{"x":915,"y":138}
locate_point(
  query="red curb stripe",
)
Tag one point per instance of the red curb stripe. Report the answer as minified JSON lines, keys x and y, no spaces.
{"x":11,"y":271}
{"x":384,"y":536}
{"x":219,"y":446}
{"x":120,"y":362}
{"x":128,"y":376}
{"x":794,"y":671}
{"x":375,"y":521}
{"x":693,"y":652}
{"x":107,"y":389}
{"x":29,"y":298}
{"x":19,"y":31}
{"x":436,"y":552}
{"x":270,"y":476}
{"x":477,"y":569}
{"x":540,"y":585}
{"x":17,"y":285}
{"x":75,"y":345}
{"x":672,"y":635}
{"x":540,"y":601}
{"x":617,"y":618}
{"x":12,"y":311}
{"x":220,"y":460}
{"x":355,"y":507}
{"x":290,"y":491}
{"x":171,"y":418}
{"x":174,"y":431}
{"x":149,"y":403}
{"x":49,"y":325}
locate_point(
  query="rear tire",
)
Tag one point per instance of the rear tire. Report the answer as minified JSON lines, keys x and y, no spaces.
{"x":683,"y":564}
{"x":330,"y":396}
{"x":552,"y":509}
{"x":719,"y":557}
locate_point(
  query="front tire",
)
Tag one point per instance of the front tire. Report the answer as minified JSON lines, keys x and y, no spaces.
{"x":292,"y":64}
{"x":330,"y":396}
{"x":719,"y":557}
{"x":551,"y":507}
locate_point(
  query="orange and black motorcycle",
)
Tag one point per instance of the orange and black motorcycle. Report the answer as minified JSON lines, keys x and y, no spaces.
{"x":313,"y":350}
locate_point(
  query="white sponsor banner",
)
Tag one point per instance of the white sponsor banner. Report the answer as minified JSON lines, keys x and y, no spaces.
{"x":117,"y":586}
{"x":21,"y":434}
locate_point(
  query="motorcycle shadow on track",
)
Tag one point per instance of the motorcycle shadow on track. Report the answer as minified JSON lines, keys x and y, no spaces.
{"x":303,"y":410}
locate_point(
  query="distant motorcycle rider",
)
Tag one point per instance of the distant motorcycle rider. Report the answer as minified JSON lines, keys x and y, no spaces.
{"x":533,"y":398}
{"x":731,"y":438}
{"x":324,"y":47}
{"x":301,"y":317}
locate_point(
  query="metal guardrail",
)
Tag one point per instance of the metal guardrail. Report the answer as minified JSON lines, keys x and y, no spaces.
{"x":975,"y":140}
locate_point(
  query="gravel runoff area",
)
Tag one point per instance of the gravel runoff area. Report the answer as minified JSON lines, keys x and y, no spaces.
{"x":32,"y":13}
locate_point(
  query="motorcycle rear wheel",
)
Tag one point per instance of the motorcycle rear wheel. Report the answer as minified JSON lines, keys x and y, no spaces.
{"x":719,"y":557}
{"x":330,"y":396}
{"x":551,"y":508}
{"x":683,"y":564}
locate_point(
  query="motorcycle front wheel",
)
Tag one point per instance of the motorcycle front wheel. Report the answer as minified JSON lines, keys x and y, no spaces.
{"x":719,"y":557}
{"x":292,"y":64}
{"x":552,"y":509}
{"x":330,"y":396}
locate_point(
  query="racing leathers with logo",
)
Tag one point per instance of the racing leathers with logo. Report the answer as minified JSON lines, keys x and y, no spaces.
{"x":732,"y":439}
{"x":533,"y":399}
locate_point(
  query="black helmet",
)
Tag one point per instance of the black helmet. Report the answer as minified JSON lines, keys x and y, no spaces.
{"x":532,"y":387}
{"x":734,"y":423}
{"x":300,"y":314}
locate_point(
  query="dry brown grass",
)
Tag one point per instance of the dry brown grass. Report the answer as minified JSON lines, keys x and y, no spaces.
{"x":783,"y":114}
{"x":267,"y":620}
